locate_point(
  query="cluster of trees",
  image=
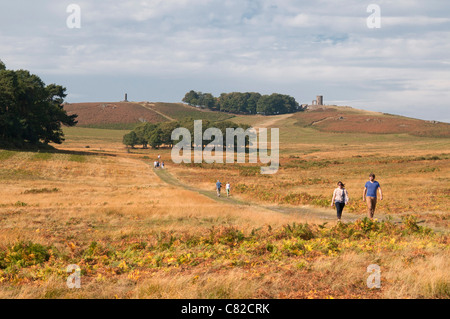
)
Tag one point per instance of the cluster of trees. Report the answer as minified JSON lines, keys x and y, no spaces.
{"x":160,"y":135}
{"x":206,"y":100}
{"x":239,"y":102}
{"x":30,"y":111}
{"x":244,"y":103}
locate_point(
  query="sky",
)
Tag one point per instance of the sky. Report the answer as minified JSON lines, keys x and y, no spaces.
{"x":157,"y":50}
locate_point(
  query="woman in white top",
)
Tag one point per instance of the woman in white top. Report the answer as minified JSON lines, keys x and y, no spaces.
{"x":340,"y":199}
{"x":228,"y":188}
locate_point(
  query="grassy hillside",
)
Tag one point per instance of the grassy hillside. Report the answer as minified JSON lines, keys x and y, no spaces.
{"x":125,"y":116}
{"x":116,"y":115}
{"x":349,"y":120}
{"x":179,"y":111}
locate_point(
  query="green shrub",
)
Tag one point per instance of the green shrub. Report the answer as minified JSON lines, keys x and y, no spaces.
{"x":302,"y":231}
{"x":24,"y":254}
{"x":231,"y":235}
{"x":410,"y":224}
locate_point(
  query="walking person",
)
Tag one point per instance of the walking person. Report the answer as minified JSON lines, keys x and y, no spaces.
{"x":340,"y":199}
{"x":228,"y":188}
{"x":218,"y":187}
{"x":370,"y":195}
{"x":162,"y":165}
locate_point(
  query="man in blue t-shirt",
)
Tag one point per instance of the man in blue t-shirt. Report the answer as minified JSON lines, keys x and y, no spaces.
{"x":218,"y":187}
{"x":370,"y":195}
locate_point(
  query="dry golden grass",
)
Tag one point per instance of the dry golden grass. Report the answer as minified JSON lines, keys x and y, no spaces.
{"x":116,"y":200}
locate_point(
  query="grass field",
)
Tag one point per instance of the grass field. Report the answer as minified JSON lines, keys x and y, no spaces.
{"x":140,"y":233}
{"x":312,"y":162}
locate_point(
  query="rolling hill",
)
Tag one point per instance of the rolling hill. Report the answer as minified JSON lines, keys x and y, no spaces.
{"x":114,"y":115}
{"x":340,"y":119}
{"x":126,"y":115}
{"x":349,"y":120}
{"x":179,"y":111}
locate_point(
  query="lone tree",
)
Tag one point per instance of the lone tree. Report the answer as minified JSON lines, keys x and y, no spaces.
{"x":30,"y":111}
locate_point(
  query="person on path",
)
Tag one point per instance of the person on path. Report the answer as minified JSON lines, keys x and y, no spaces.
{"x":340,"y":199}
{"x":370,"y":195}
{"x":228,"y":188}
{"x":218,"y":187}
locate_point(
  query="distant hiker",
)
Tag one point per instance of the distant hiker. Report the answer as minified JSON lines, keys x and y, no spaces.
{"x":159,"y":157}
{"x":228,"y":188}
{"x":340,"y":199}
{"x":370,"y":195}
{"x":218,"y":187}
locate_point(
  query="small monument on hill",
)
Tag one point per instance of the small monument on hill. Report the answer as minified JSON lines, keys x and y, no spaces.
{"x":318,"y":100}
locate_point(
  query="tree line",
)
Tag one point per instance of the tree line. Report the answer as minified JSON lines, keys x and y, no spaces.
{"x":244,"y":103}
{"x":160,"y":135}
{"x":31,"y":113}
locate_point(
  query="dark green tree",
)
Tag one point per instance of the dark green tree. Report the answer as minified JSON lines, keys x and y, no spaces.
{"x":155,"y":139}
{"x":143,"y":133}
{"x":130,"y":139}
{"x":191,"y":98}
{"x":166,"y":132}
{"x":277,"y":104}
{"x":30,"y":111}
{"x":208,"y":101}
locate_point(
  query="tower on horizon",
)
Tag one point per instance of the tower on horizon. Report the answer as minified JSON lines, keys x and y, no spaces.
{"x":319,"y":99}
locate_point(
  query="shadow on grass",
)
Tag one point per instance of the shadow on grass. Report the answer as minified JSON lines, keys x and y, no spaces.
{"x":48,"y":149}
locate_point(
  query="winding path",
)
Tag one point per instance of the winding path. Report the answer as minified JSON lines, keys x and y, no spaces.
{"x":147,"y":106}
{"x":304,"y":212}
{"x":274,"y":119}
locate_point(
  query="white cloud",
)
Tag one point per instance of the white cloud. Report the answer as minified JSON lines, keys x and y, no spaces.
{"x":322,"y":46}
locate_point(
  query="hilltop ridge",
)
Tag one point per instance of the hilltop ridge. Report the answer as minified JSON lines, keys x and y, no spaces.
{"x":328,"y":118}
